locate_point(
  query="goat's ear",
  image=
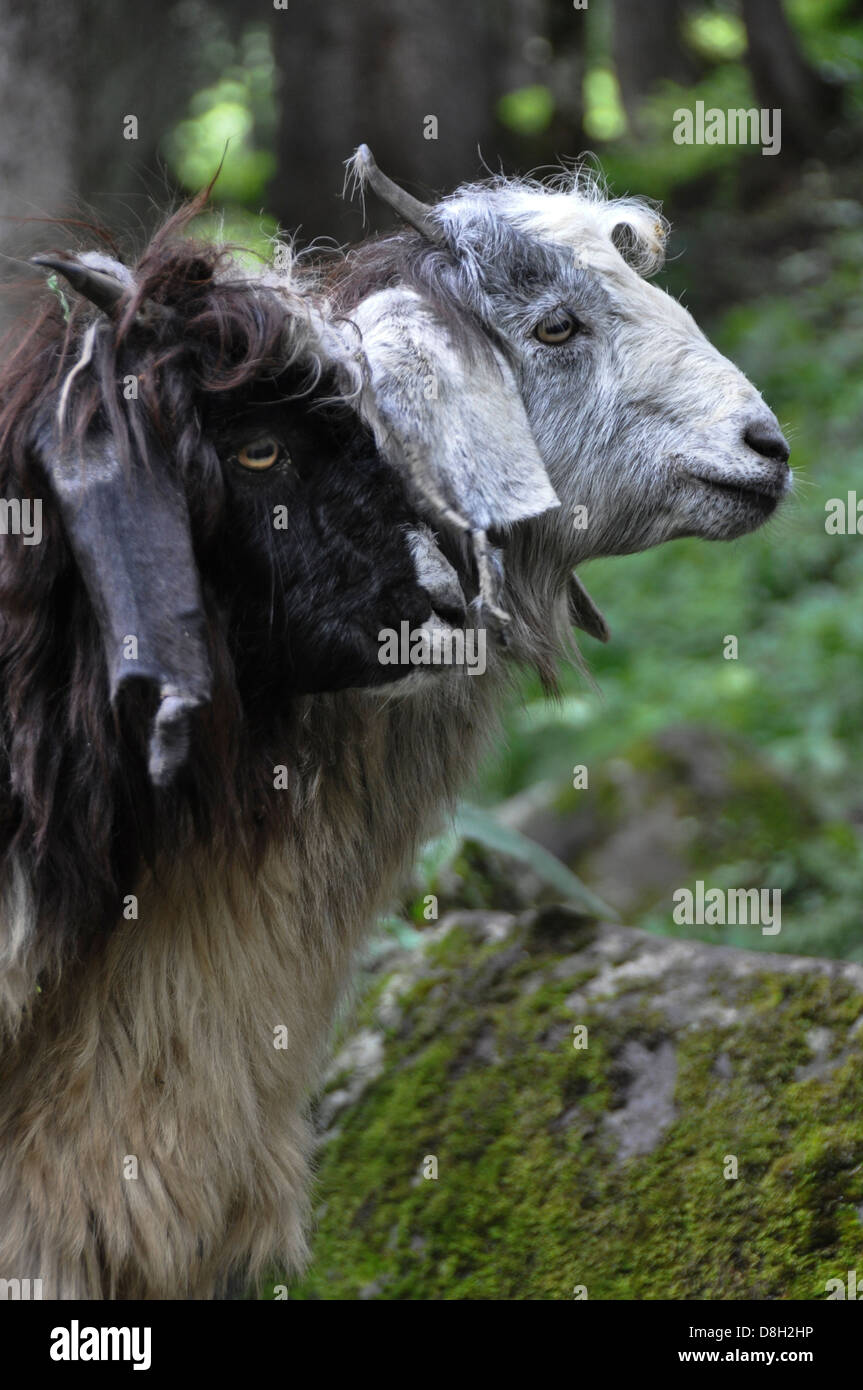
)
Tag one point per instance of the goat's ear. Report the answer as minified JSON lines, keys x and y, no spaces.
{"x":583,"y":612}
{"x":449,"y":418}
{"x":128,"y":528}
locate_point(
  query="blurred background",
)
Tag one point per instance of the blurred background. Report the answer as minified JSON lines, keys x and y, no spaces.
{"x":741,"y":773}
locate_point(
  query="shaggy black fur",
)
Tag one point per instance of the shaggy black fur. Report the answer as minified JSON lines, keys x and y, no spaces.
{"x":286,"y":611}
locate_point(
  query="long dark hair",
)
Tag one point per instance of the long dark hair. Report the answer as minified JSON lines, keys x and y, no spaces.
{"x":77,"y":809}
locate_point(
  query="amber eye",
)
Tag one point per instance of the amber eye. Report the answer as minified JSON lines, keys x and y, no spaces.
{"x":557,"y":328}
{"x":260,"y":454}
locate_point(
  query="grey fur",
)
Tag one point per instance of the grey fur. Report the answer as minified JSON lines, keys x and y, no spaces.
{"x":638,"y":419}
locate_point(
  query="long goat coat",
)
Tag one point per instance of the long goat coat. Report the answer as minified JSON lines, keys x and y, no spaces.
{"x":198,"y":830}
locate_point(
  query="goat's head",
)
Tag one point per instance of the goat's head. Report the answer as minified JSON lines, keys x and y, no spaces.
{"x":625,"y":409}
{"x":220,"y":536}
{"x":196,"y":444}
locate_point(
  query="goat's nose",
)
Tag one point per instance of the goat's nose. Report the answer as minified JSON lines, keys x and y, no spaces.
{"x":766,"y":438}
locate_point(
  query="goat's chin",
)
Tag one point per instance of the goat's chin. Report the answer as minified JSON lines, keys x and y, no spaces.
{"x":724,"y":515}
{"x":720,"y":503}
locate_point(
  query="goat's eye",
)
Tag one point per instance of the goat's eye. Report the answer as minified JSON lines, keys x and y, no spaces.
{"x":559,"y":327}
{"x":260,"y":454}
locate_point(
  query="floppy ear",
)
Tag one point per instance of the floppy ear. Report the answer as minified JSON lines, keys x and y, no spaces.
{"x":128,"y":527}
{"x":451,"y":420}
{"x":583,"y":612}
{"x":459,"y":413}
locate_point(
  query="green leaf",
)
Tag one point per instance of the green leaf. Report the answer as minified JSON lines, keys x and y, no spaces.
{"x":474,"y":823}
{"x":390,"y":928}
{"x":436,"y":855}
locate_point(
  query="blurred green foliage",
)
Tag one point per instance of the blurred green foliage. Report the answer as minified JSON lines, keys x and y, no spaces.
{"x":604,"y":117}
{"x":230,"y":129}
{"x":717,"y":37}
{"x":527,"y":110}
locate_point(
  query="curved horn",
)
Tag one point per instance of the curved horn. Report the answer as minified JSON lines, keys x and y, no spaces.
{"x":104,"y":290}
{"x":410,"y":209}
{"x":100,"y":288}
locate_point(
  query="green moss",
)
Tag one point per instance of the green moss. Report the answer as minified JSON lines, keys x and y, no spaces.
{"x":457,"y":947}
{"x":530,"y":1198}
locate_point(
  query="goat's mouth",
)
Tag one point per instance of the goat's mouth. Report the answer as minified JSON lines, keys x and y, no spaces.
{"x":754,"y":498}
{"x":757,"y":492}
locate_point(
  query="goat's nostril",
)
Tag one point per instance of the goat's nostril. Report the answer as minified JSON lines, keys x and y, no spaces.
{"x":766,"y":438}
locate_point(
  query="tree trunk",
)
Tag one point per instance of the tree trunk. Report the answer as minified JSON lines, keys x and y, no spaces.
{"x":784,"y":80}
{"x":647,"y":47}
{"x":68,"y":84}
{"x":414,"y":79}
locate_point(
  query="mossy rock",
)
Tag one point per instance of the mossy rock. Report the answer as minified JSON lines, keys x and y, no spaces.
{"x":608,"y":1166}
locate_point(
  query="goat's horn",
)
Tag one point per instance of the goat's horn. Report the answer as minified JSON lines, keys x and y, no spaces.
{"x":410,"y":209}
{"x":100,"y":288}
{"x":104,"y":290}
